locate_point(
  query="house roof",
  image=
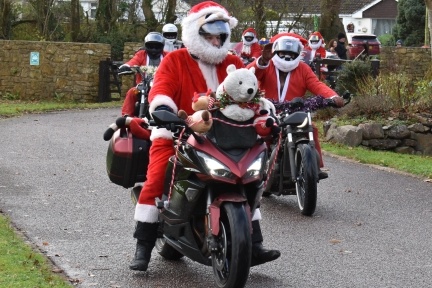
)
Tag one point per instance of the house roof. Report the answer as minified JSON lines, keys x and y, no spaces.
{"x":310,"y":6}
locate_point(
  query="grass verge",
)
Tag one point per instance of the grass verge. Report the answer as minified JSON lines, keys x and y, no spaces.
{"x":21,"y":266}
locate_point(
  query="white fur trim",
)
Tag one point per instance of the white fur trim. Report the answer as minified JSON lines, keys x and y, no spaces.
{"x":160,"y":133}
{"x":236,"y":113}
{"x":218,"y":11}
{"x":257,"y":215}
{"x":315,"y":46}
{"x":146,"y":213}
{"x":286,"y":66}
{"x":260,"y":66}
{"x":196,"y":44}
{"x":159,"y":100}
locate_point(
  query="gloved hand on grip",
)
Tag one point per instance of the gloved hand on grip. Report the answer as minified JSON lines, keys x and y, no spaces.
{"x":124,"y":69}
{"x":138,"y":126}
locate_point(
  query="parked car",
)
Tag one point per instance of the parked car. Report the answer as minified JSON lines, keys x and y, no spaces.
{"x":357,"y":43}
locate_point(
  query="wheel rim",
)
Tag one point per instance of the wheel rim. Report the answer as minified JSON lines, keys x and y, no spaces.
{"x":160,"y":242}
{"x":300,"y":184}
{"x":220,"y":257}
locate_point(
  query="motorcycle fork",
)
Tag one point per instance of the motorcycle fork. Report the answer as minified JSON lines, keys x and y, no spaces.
{"x":289,"y":169}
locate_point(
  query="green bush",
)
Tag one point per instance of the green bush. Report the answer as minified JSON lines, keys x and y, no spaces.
{"x":352,"y":75}
{"x":387,"y":40}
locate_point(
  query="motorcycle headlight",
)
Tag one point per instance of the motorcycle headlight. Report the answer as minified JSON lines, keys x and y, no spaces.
{"x":214,"y":167}
{"x":255,"y":169}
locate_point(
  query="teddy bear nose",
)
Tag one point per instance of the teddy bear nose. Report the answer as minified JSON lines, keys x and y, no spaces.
{"x":250,"y":91}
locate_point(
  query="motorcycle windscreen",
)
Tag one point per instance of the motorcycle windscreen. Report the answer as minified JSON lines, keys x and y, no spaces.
{"x":228,"y":136}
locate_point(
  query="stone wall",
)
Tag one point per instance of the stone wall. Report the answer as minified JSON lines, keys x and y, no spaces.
{"x":64,"y":71}
{"x":408,"y":139}
{"x":414,"y":61}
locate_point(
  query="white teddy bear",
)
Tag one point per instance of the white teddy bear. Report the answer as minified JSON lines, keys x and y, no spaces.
{"x":237,"y":94}
{"x":240,"y":100}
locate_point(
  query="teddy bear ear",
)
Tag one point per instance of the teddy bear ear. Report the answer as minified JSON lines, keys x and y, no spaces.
{"x":252,"y":69}
{"x":230,"y":68}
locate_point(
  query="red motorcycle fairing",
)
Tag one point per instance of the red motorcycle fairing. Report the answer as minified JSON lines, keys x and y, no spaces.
{"x":214,"y":210}
{"x":238,"y":168}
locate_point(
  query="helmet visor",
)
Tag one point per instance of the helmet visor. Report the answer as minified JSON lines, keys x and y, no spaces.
{"x":314,"y":39}
{"x":170,"y":35}
{"x":287,"y":45}
{"x":215,"y":28}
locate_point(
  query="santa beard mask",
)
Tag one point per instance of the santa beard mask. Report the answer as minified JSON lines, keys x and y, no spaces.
{"x":285,"y":66}
{"x":205,"y":51}
{"x":315,"y":46}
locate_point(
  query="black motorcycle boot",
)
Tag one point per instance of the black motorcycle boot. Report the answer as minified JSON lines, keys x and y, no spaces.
{"x":322,"y":175}
{"x":260,"y":255}
{"x":146,"y":234}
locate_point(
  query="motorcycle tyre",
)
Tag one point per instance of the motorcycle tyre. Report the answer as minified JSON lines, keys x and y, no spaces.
{"x":306,"y":185}
{"x":235,"y":237}
{"x":166,"y":251}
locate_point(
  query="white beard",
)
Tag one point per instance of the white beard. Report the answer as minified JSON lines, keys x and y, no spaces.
{"x":205,"y":51}
{"x":285,"y":66}
{"x":315,"y":46}
{"x":246,"y":49}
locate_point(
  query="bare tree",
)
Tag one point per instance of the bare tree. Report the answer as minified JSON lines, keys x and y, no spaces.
{"x":6,"y":18}
{"x":330,"y":24}
{"x":429,"y":17}
{"x":150,"y":18}
{"x":75,"y":20}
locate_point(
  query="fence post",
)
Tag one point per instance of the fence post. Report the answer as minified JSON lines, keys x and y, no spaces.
{"x":104,"y":94}
{"x":375,"y":65}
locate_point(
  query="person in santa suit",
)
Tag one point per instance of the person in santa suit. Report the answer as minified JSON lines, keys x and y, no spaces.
{"x":283,"y":75}
{"x":249,"y":49}
{"x":315,"y":48}
{"x":150,"y":54}
{"x":197,"y":68}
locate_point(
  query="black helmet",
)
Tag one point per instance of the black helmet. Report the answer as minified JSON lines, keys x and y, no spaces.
{"x":154,"y":43}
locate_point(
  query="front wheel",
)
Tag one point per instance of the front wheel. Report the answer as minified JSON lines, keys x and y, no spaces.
{"x":231,"y":262}
{"x":306,"y":184}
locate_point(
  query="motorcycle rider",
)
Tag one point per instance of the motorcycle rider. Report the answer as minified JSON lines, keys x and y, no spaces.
{"x":170,"y":33}
{"x":206,"y":35}
{"x":315,"y":48}
{"x":249,"y":49}
{"x":283,"y":75}
{"x":150,"y":55}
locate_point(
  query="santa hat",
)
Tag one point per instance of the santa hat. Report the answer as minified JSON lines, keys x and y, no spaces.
{"x":250,"y":30}
{"x":199,"y":15}
{"x":215,"y":10}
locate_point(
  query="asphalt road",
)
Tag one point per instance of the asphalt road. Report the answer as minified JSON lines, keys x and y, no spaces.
{"x":372,"y":228}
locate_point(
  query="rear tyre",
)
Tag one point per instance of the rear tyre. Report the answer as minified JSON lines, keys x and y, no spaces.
{"x":306,"y":185}
{"x":231,"y":263}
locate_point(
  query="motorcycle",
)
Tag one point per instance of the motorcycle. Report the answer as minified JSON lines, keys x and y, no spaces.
{"x":143,"y":88}
{"x":293,"y":166}
{"x":208,"y":201}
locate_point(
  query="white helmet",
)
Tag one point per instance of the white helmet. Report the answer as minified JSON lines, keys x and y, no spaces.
{"x":170,"y":32}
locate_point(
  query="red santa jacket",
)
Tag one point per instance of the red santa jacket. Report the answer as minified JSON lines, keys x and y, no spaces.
{"x":256,"y":50}
{"x":301,"y":79}
{"x":309,"y":54}
{"x":140,"y":59}
{"x":179,"y":77}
